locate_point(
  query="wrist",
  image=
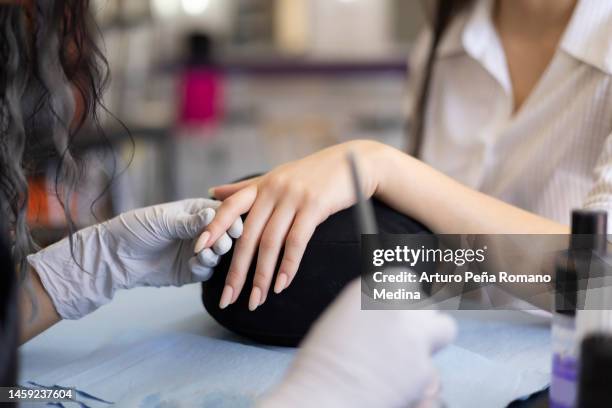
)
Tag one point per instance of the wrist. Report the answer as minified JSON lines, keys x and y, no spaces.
{"x":405,"y":183}
{"x":372,"y":157}
{"x":38,"y":312}
{"x":381,"y":164}
{"x":78,"y":280}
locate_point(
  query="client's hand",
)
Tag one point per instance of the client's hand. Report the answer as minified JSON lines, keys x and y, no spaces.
{"x":364,"y":358}
{"x":285,"y":206}
{"x":151,"y":246}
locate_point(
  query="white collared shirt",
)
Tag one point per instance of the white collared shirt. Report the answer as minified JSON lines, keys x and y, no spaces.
{"x":555,"y":153}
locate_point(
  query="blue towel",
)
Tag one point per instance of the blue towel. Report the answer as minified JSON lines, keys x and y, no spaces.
{"x":493,"y":363}
{"x":490,"y":364}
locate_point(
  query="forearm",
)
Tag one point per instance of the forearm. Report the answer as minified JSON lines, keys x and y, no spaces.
{"x":447,"y":206}
{"x":35,"y":319}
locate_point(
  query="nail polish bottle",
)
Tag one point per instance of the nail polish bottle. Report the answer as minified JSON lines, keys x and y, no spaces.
{"x":595,"y":371}
{"x":589,"y":229}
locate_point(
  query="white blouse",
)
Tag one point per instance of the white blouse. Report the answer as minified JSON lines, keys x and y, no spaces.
{"x":555,"y":153}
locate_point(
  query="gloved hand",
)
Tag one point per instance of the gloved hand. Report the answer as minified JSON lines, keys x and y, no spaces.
{"x":364,"y":358}
{"x":151,"y":246}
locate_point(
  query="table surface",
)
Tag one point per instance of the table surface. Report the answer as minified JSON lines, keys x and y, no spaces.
{"x":145,"y":313}
{"x":141,"y":312}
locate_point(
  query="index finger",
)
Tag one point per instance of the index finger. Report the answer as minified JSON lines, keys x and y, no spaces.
{"x":227,"y":213}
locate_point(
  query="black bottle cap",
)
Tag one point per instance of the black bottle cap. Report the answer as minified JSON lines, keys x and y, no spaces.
{"x":589,"y":230}
{"x":594,"y":389}
{"x":589,"y":234}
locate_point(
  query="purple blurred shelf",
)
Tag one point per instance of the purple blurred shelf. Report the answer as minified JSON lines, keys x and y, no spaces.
{"x":298,"y":67}
{"x":334,"y":68}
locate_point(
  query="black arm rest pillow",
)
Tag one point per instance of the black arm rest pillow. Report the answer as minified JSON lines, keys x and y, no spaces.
{"x":331,"y":260}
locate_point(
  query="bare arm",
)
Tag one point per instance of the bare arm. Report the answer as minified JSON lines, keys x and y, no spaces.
{"x":287,"y":204}
{"x":45,"y":316}
{"x":447,"y":206}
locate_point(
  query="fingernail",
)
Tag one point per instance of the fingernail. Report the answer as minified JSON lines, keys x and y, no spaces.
{"x":226,"y":296}
{"x":281,"y":281}
{"x":263,"y":299}
{"x":201,"y":242}
{"x":255,"y":298}
{"x":234,"y":297}
{"x":211,"y":192}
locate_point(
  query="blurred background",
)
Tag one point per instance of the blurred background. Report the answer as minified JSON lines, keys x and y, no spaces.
{"x":214,"y":90}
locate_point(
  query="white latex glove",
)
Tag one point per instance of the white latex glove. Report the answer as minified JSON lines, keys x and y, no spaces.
{"x":364,"y":358}
{"x":151,"y":246}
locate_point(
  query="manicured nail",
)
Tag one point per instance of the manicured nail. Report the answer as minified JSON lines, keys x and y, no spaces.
{"x":211,"y":192}
{"x":281,"y":281}
{"x":226,"y":296}
{"x":201,"y":242}
{"x":254,"y":299}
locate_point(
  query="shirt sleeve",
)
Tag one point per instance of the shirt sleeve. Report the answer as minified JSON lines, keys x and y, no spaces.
{"x":600,"y":196}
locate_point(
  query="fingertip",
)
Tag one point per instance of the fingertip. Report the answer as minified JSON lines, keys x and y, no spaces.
{"x":289,"y":270}
{"x":235,"y":295}
{"x":223,"y":245}
{"x":201,"y":242}
{"x":208,"y":258}
{"x":290,"y":278}
{"x":443,"y":330}
{"x":211,"y":192}
{"x":226,"y":297}
{"x":450,"y":327}
{"x":235,"y":230}
{"x":254,"y":299}
{"x":209,"y":215}
{"x":202,"y":272}
{"x":281,"y":282}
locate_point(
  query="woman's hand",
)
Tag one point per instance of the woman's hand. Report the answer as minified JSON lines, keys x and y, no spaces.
{"x":151,"y":246}
{"x":285,"y":206}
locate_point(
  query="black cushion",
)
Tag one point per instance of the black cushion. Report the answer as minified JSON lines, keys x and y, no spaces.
{"x":331,"y":260}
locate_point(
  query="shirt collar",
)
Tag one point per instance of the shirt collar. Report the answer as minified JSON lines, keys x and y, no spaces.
{"x":588,"y":36}
{"x":474,"y":33}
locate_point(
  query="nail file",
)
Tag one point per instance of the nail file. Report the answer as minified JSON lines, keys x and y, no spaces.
{"x":366,"y":220}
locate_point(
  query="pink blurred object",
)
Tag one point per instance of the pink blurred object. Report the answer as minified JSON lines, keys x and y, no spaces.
{"x":201,"y":96}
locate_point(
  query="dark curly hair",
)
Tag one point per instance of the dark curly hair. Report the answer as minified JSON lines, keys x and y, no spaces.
{"x":52,"y":75}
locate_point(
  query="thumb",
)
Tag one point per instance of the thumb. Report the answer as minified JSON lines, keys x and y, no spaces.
{"x":224,"y":191}
{"x":189,"y":226}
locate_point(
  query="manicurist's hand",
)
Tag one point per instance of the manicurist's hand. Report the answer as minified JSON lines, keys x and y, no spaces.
{"x":364,"y":358}
{"x":285,"y":206}
{"x":151,"y":246}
